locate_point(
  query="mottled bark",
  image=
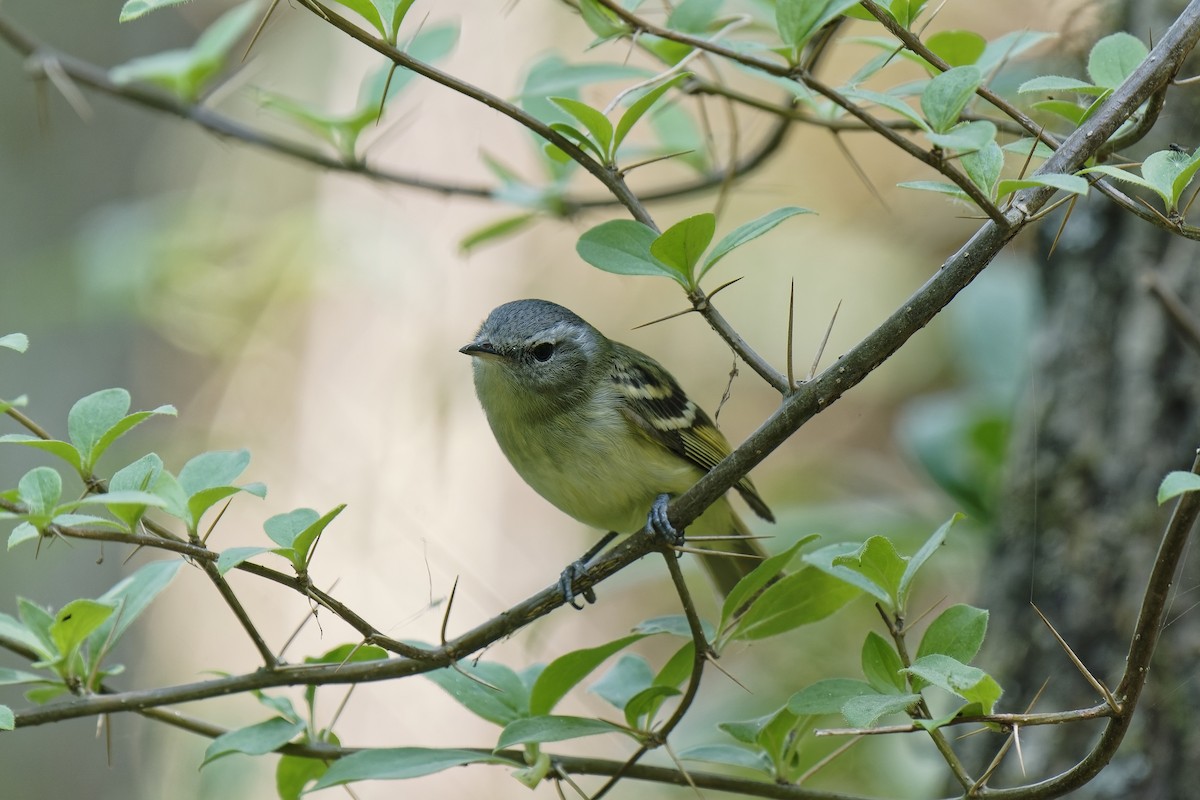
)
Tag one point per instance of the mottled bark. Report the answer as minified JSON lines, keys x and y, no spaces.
{"x":1113,"y":405}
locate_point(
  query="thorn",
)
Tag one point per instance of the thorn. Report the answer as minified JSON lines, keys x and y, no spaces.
{"x":723,"y":287}
{"x":824,"y":341}
{"x":663,"y":319}
{"x":449,"y":605}
{"x":791,"y":380}
{"x":212,"y":527}
{"x":1096,"y":683}
{"x":262,"y":23}
{"x":1062,"y":226}
{"x":827,"y":760}
{"x":700,"y":551}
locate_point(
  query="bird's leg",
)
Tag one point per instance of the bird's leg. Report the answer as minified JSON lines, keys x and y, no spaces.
{"x":575,"y":570}
{"x":658,"y":525}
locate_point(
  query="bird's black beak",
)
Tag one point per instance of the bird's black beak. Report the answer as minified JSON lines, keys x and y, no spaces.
{"x":479,"y":349}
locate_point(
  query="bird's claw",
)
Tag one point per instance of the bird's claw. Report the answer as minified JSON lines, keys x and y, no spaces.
{"x":657,"y":523}
{"x":566,"y":584}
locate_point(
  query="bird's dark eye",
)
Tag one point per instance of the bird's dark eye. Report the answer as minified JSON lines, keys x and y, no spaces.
{"x":543,"y":351}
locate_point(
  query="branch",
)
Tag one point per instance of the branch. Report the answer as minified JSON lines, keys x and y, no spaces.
{"x":801,"y":75}
{"x":610,"y":178}
{"x":954,"y":275}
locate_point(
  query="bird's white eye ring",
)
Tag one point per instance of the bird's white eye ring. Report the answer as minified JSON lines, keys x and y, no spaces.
{"x":543,"y":350}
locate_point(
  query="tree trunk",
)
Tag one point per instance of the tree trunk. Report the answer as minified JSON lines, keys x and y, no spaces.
{"x":1113,"y":404}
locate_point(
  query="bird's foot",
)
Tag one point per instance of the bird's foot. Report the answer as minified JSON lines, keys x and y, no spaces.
{"x":566,"y":584}
{"x":577,"y":569}
{"x":657,"y":523}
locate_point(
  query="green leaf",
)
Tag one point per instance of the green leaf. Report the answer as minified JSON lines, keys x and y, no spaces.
{"x":918,"y":559}
{"x":983,"y":167}
{"x":1003,"y":49}
{"x":552,"y":77}
{"x":1121,"y":175}
{"x":622,"y":246}
{"x":970,"y":683}
{"x":141,"y":475}
{"x":1057,"y":180}
{"x":1177,"y":483}
{"x":305,"y":541}
{"x":602,"y":22}
{"x":1169,"y":172}
{"x":942,"y":721}
{"x":799,"y":599}
{"x":293,"y":773}
{"x":1060,"y":83}
{"x":728,"y":754}
{"x":747,"y":233}
{"x":935,"y":186}
{"x":12,"y":677}
{"x":11,"y":628}
{"x":218,"y":468}
{"x":672,"y":625}
{"x":505,"y":226}
{"x":957,"y":48}
{"x":207,"y":479}
{"x":400,"y":763}
{"x":957,"y":632}
{"x":1067,"y":109}
{"x":947,"y":95}
{"x":89,"y":521}
{"x":881,"y":664}
{"x":827,"y":696}
{"x":566,"y":671}
{"x":75,"y":622}
{"x":284,"y":528}
{"x":54,"y":447}
{"x":368,"y":11}
{"x":132,"y":594}
{"x":236,"y":555}
{"x":37,"y":621}
{"x":640,"y":106}
{"x":965,"y":137}
{"x":625,"y":679}
{"x":20,"y":534}
{"x":682,"y":245}
{"x":487,"y":689}
{"x":641,"y":708}
{"x":134,"y":9}
{"x":185,"y":73}
{"x":891,"y":103}
{"x":678,"y":667}
{"x":7,"y":720}
{"x":1114,"y":58}
{"x":253,"y":740}
{"x":596,"y":123}
{"x":554,"y":729}
{"x":15,"y":341}
{"x":865,"y":710}
{"x":91,"y":417}
{"x":40,"y":489}
{"x":879,"y":565}
{"x":350,"y":653}
{"x":798,"y":20}
{"x":759,"y":577}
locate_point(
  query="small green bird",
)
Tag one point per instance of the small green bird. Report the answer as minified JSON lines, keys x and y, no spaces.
{"x":600,"y":429}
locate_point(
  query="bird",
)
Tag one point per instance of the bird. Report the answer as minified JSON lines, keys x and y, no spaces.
{"x":602,"y":431}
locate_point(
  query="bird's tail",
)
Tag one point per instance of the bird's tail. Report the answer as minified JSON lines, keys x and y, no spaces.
{"x":735,"y":558}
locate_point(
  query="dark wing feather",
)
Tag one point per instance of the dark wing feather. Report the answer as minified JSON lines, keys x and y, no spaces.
{"x":659,"y":408}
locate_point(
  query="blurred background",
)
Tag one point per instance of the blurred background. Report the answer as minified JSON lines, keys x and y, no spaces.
{"x":314,"y":318}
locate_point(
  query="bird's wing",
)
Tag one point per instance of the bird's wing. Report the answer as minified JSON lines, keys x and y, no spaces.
{"x":656,"y":405}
